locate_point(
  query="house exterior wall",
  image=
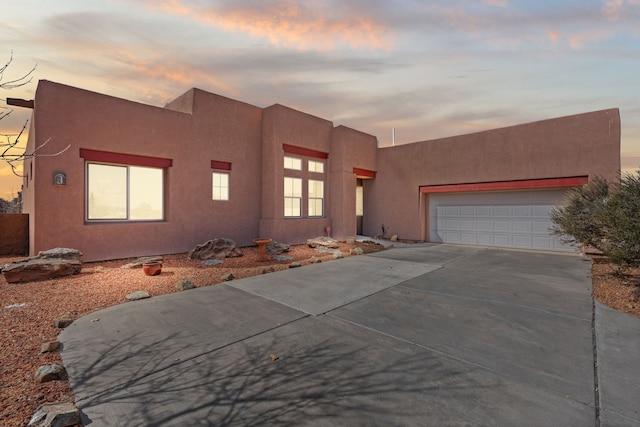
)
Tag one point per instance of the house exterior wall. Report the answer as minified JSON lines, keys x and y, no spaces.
{"x":199,"y":132}
{"x":579,"y":145}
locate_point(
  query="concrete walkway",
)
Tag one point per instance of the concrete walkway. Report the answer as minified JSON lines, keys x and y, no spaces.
{"x":426,"y":335}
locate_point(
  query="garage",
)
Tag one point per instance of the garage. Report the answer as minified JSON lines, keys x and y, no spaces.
{"x":510,"y":219}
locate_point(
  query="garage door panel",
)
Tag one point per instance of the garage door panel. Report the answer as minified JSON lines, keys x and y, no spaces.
{"x":517,"y":219}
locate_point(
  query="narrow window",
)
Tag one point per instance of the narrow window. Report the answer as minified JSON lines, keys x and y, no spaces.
{"x":117,"y":192}
{"x":317,"y":167}
{"x":292,"y":197}
{"x":220,"y":186}
{"x":292,"y":163}
{"x":316,"y":198}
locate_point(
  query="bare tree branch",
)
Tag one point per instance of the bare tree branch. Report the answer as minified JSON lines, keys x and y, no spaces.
{"x":20,"y":81}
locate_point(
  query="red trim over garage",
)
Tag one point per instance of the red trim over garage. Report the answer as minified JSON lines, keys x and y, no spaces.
{"x":526,"y":184}
{"x":301,"y":151}
{"x":364,"y":173}
{"x":125,"y":159}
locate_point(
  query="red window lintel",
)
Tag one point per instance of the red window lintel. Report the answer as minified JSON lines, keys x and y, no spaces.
{"x":125,"y":159}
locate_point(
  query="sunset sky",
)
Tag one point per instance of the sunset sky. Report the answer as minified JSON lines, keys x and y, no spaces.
{"x":428,"y":69}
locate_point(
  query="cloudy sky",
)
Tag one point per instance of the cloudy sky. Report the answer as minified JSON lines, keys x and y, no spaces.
{"x":427,"y":68}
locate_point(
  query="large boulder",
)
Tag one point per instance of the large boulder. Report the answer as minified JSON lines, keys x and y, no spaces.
{"x":46,"y":265}
{"x":323,"y":242}
{"x":215,"y":249}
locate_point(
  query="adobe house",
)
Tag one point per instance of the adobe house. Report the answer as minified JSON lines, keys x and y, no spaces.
{"x":139,"y":180}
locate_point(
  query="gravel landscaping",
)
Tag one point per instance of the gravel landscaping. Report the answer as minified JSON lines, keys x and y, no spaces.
{"x":27,"y":310}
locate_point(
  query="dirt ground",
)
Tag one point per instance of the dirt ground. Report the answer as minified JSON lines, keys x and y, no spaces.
{"x":28,"y":309}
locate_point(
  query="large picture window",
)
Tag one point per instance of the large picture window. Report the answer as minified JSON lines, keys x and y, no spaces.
{"x":124,"y":193}
{"x":316,"y":198}
{"x":292,"y":197}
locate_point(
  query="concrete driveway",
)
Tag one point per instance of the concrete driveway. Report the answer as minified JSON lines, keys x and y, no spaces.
{"x":431,"y":335}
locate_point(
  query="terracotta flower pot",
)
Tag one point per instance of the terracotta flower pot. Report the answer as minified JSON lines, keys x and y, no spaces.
{"x":152,"y":268}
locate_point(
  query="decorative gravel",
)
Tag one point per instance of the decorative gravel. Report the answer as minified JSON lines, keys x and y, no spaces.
{"x":27,"y":311}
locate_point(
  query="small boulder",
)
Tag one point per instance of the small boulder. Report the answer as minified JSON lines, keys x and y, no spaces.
{"x":227,"y":277}
{"x":295,"y":264}
{"x":50,"y":347}
{"x":323,"y":241}
{"x":184,"y":284}
{"x":337,"y":255}
{"x":138,"y":263}
{"x":138,"y":295}
{"x":55,"y":415}
{"x":219,"y":248}
{"x":275,"y":248}
{"x":50,"y":373}
{"x":46,"y":265}
{"x":62,"y":322}
{"x":356,"y":251}
{"x":268,"y":270}
{"x":315,"y":260}
{"x":394,"y":238}
{"x":212,"y":262}
{"x":283,"y":258}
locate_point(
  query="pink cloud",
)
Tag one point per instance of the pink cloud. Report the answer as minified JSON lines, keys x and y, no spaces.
{"x":319,"y":24}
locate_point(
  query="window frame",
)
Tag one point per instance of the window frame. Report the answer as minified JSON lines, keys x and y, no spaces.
{"x":292,"y":197}
{"x":314,"y":199}
{"x":220,"y":187}
{"x":128,"y":193}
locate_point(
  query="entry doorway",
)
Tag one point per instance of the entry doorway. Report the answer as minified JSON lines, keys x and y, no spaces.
{"x":359,"y":206}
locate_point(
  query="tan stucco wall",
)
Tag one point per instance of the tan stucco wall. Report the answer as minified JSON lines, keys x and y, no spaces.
{"x":199,"y":127}
{"x":228,"y":131}
{"x":580,"y":145}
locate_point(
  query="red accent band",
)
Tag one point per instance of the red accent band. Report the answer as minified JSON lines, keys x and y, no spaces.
{"x":292,"y":149}
{"x":125,"y":159}
{"x":216,"y":164}
{"x":364,"y":173}
{"x":527,"y":184}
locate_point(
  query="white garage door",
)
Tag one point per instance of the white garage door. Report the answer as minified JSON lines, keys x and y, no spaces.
{"x":512,"y":219}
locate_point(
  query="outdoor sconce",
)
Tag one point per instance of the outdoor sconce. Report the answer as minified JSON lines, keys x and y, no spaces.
{"x":59,"y":178}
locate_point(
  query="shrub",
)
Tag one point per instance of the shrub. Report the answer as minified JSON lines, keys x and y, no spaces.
{"x":578,"y":219}
{"x":603,"y":215}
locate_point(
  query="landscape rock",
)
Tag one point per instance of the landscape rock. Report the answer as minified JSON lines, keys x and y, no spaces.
{"x":268,"y":270}
{"x":138,"y":263}
{"x":55,"y":415}
{"x":338,"y":255}
{"x":282,"y":258}
{"x":219,"y":248}
{"x":295,"y":264}
{"x":62,"y":322}
{"x":50,"y":347}
{"x":46,"y":265}
{"x":138,"y":295}
{"x":211,"y":262}
{"x":227,"y":277}
{"x":315,"y":260}
{"x":275,"y":248}
{"x":356,"y":251}
{"x":323,"y":241}
{"x":184,"y":284}
{"x":394,"y":238}
{"x":50,"y":373}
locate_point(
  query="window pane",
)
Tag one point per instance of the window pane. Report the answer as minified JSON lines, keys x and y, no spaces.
{"x":316,"y":166}
{"x":106,"y":192}
{"x":220,"y":186}
{"x":292,"y":207}
{"x":316,"y":188}
{"x":359,"y":201}
{"x":316,"y":207}
{"x":292,"y":163}
{"x":145,"y":193}
{"x":292,"y":187}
